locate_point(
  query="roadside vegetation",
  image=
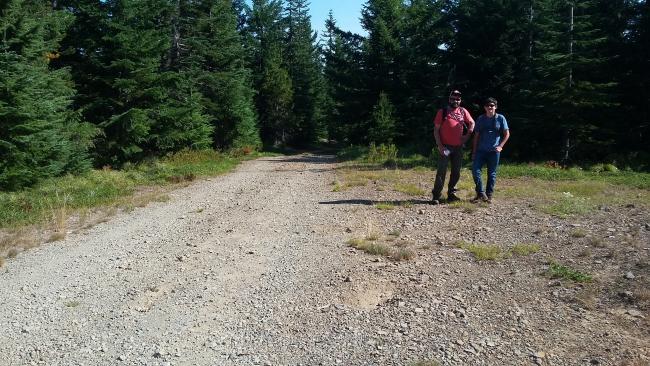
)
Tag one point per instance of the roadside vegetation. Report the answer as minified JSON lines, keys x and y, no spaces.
{"x":549,"y":188}
{"x":58,"y":205}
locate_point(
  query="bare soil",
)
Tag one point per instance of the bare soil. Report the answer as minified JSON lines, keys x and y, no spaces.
{"x":253,"y":268}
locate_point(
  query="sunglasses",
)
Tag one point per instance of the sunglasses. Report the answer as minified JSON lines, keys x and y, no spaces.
{"x":454,"y":98}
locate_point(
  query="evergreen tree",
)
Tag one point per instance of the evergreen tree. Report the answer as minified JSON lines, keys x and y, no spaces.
{"x":424,"y":70}
{"x":634,"y":82}
{"x":567,"y":56}
{"x":302,"y":60}
{"x":40,"y":135}
{"x":383,"y":126}
{"x":347,"y":110}
{"x":383,"y":20}
{"x":145,"y":105}
{"x":270,"y":77}
{"x":214,"y":56}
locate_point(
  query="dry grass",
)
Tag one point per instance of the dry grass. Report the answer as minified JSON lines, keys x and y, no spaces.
{"x":370,"y":247}
{"x":403,"y":254}
{"x":525,"y":249}
{"x":409,"y":188}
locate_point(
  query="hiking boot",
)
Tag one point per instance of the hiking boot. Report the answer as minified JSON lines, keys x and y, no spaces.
{"x":480,"y":197}
{"x":451,"y":197}
{"x":435,"y":201}
{"x":488,"y":198}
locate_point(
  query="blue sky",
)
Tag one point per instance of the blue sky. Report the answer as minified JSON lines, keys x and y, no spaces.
{"x":346,"y":13}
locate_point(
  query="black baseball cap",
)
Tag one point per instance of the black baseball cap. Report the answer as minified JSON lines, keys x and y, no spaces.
{"x":455,"y":93}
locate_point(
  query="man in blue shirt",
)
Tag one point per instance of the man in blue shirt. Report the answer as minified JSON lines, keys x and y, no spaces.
{"x":491,"y":134}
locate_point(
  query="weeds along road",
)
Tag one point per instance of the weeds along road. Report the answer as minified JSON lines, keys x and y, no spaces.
{"x":234,"y":270}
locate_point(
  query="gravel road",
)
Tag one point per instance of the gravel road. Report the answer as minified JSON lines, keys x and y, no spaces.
{"x":252,"y":268}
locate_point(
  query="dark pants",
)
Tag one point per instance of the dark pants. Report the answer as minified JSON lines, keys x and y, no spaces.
{"x":456,"y":159}
{"x":491,"y":159}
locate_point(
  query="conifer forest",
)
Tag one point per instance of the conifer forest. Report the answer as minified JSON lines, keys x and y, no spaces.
{"x":95,"y":83}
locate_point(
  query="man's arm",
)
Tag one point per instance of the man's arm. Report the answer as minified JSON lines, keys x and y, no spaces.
{"x":437,"y":122}
{"x":506,"y":136}
{"x":475,"y":144}
{"x":436,"y":135}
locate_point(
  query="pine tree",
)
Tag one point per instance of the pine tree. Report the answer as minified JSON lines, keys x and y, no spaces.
{"x":301,"y":58}
{"x":568,"y":55}
{"x":348,"y":112}
{"x":144,"y":104}
{"x":424,"y":70}
{"x":383,"y":126}
{"x":383,"y":20}
{"x":271,"y":79}
{"x":40,"y":135}
{"x":214,"y":56}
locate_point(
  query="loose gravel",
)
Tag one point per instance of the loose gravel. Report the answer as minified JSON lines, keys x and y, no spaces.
{"x":252,"y":268}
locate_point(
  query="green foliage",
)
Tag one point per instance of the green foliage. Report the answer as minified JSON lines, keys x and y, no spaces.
{"x":620,"y":177}
{"x":382,"y":154}
{"x":382,"y":129}
{"x":525,"y":249}
{"x":560,"y":271}
{"x":213,"y":55}
{"x":482,"y":252}
{"x":41,"y":135}
{"x":302,"y":60}
{"x":105,"y":187}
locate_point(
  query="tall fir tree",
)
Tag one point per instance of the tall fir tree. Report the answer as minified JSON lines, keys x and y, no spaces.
{"x":302,"y":60}
{"x":40,"y":135}
{"x":424,"y":70}
{"x":567,"y":54}
{"x":271,"y":79}
{"x":214,"y":57}
{"x":346,"y":89}
{"x":384,"y":21}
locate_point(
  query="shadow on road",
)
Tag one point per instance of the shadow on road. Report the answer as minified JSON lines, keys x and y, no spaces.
{"x":309,"y":159}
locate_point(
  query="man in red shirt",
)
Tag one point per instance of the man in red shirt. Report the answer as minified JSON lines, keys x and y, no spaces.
{"x":453,"y":126}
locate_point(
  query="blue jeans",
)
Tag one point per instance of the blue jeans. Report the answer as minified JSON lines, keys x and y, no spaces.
{"x":491,"y":159}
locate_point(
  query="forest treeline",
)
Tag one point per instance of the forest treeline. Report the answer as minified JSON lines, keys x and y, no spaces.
{"x":106,"y":82}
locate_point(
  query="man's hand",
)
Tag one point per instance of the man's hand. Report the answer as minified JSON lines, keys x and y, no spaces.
{"x":498,"y":149}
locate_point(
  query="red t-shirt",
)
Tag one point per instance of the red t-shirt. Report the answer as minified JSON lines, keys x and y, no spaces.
{"x":451,"y":130}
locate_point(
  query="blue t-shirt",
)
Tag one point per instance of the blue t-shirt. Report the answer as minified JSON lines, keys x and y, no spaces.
{"x":490,"y":130}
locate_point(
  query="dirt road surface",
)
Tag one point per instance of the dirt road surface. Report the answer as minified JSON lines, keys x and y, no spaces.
{"x":252,"y":268}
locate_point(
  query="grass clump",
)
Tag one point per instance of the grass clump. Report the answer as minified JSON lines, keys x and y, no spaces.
{"x":410,"y":189}
{"x":370,"y":247}
{"x":403,"y":254}
{"x":525,"y":249}
{"x":567,"y":205}
{"x":560,"y":271}
{"x":481,"y":252}
{"x":382,"y":154}
{"x":466,"y":207}
{"x":384,"y":206}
